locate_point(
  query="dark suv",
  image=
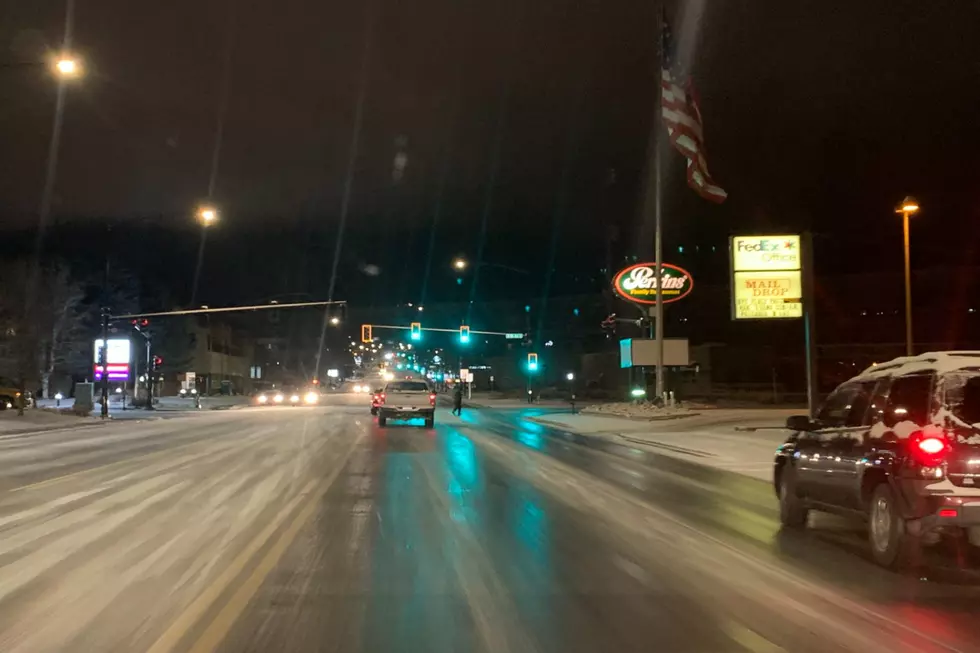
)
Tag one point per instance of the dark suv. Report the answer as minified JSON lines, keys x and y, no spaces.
{"x":899,"y":445}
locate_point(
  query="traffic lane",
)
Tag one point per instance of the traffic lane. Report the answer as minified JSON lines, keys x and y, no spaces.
{"x":743,"y":513}
{"x":456,"y":539}
{"x":426,"y":544}
{"x":126,"y":557}
{"x":31,"y":458}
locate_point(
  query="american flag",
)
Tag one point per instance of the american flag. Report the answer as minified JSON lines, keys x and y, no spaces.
{"x":682,"y":116}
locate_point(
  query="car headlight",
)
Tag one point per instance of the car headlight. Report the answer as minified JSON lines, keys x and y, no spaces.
{"x":294,"y":399}
{"x":278,"y":399}
{"x":311,"y":398}
{"x":357,"y":388}
{"x":263,"y":399}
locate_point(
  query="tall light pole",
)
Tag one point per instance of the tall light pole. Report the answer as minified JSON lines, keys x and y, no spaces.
{"x":207,"y":215}
{"x":65,"y":67}
{"x":907,"y":208}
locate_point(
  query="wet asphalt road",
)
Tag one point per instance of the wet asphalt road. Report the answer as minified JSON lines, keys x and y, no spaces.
{"x":315,"y":530}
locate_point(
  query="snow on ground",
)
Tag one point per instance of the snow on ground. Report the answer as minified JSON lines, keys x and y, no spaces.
{"x":640,"y":410}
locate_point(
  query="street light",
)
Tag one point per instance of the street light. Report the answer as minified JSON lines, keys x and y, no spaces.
{"x":207,"y":215}
{"x":570,"y":376}
{"x":907,"y":208}
{"x":335,"y":320}
{"x":67,"y":67}
{"x":460,"y":264}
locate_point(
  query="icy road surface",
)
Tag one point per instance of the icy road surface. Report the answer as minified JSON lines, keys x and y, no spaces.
{"x":312,"y":529}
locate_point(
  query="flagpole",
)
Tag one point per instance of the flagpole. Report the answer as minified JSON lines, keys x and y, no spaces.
{"x":658,"y":223}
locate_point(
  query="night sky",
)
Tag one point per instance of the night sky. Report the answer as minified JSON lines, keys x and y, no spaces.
{"x":818,"y":115}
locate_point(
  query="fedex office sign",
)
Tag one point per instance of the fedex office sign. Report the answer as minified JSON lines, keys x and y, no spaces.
{"x":762,"y":253}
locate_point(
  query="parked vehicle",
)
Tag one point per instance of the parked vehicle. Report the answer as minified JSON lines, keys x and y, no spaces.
{"x":898,"y":445}
{"x":10,"y":394}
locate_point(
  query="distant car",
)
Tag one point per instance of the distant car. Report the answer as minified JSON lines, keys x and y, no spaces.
{"x":899,"y":446}
{"x":407,"y":400}
{"x":287,"y":397}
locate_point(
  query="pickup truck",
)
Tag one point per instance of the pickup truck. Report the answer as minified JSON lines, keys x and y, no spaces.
{"x":405,"y":400}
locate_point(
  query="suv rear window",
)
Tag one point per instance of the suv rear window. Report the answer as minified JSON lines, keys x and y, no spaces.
{"x":408,"y":386}
{"x":962,"y":390}
{"x":909,"y":400}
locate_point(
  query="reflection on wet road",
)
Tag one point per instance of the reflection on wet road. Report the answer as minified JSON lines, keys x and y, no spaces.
{"x":494,"y":533}
{"x":316,"y":530}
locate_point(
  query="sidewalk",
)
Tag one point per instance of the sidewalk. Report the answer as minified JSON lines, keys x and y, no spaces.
{"x":709,"y":437}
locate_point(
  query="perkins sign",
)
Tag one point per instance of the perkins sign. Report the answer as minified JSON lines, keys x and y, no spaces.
{"x":638,"y":283}
{"x":766,"y":277}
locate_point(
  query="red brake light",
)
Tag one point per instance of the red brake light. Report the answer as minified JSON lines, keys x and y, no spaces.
{"x":932,"y":445}
{"x":432,"y":399}
{"x":948,"y":512}
{"x":929,"y":449}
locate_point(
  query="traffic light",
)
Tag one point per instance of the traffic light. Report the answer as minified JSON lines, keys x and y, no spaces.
{"x":157,"y":362}
{"x":532,"y":362}
{"x":416,"y":330}
{"x":366,"y":333}
{"x":141,"y":323}
{"x":464,"y":335}
{"x":316,"y":381}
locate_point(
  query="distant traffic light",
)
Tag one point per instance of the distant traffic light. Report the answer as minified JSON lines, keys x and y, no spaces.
{"x":532,"y":362}
{"x":316,"y":381}
{"x":141,"y":323}
{"x":366,"y":333}
{"x":527,"y":308}
{"x":157,"y":362}
{"x":416,"y":330}
{"x":464,"y":335}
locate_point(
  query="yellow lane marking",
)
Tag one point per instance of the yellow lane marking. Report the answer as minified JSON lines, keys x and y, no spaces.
{"x":223,"y":622}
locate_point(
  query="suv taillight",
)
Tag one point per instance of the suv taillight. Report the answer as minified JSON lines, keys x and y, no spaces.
{"x":381,"y":397}
{"x":929,"y":447}
{"x":432,"y":399}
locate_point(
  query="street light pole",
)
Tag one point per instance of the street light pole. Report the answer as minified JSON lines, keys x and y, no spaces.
{"x":907,"y":208}
{"x":206,"y":215}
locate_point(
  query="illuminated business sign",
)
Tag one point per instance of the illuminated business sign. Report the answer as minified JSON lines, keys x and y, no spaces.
{"x":638,"y":283}
{"x":766,"y":277}
{"x":117,"y":362}
{"x":757,"y":253}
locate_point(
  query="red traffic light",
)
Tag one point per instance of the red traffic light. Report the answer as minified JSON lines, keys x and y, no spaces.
{"x":316,"y":381}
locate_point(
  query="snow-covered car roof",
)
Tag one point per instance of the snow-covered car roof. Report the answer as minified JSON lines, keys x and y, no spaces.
{"x":937,"y":361}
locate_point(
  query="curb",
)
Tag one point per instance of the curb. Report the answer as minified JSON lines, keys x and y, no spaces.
{"x":659,"y":418}
{"x":46,"y":429}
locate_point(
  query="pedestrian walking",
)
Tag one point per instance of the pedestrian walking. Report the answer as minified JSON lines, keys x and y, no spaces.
{"x":458,"y":400}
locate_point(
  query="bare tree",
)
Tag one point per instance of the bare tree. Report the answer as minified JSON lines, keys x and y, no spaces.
{"x":62,"y":328}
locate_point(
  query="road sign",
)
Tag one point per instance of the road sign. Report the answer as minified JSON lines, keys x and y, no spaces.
{"x":514,"y":336}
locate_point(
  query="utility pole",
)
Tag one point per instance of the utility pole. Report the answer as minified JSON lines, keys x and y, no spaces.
{"x":104,"y":360}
